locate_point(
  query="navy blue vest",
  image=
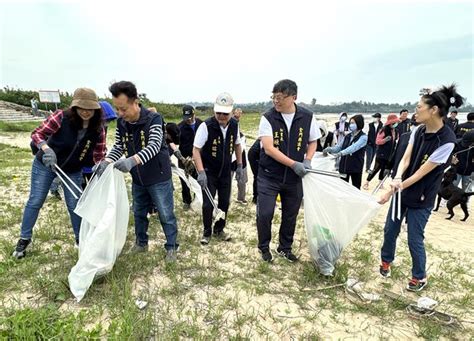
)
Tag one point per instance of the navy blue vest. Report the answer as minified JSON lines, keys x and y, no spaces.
{"x":135,"y":138}
{"x":353,"y":163}
{"x":72,"y":154}
{"x":294,"y":147}
{"x":186,"y":138}
{"x":422,"y":194}
{"x":217,"y":152}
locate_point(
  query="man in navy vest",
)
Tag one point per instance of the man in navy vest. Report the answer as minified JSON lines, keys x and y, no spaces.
{"x":187,"y":131}
{"x":139,"y":136}
{"x":288,"y":134}
{"x":215,"y":141}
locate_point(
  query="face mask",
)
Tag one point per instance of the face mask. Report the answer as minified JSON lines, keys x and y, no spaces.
{"x":394,"y":125}
{"x":343,"y":119}
{"x":376,"y":120}
{"x":353,"y":127}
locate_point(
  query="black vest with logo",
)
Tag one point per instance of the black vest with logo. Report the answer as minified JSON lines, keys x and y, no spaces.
{"x":353,"y":163}
{"x":135,"y":138}
{"x":422,"y":194}
{"x":72,"y":154}
{"x":186,"y":137}
{"x":294,"y":147}
{"x":217,"y":152}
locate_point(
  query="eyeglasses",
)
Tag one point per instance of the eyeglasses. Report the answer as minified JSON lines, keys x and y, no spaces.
{"x":279,"y":98}
{"x":223,"y":113}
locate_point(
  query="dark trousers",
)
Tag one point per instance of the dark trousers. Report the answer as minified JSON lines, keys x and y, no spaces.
{"x":380,"y":165}
{"x":185,"y":191}
{"x":290,"y":195}
{"x":253,"y":161}
{"x":220,"y":185}
{"x":369,"y":156}
{"x":356,"y":179}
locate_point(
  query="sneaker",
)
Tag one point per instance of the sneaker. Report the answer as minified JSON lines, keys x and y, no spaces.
{"x":385,"y":269}
{"x":288,"y":255}
{"x":205,"y":240}
{"x":267,"y":255}
{"x":222,"y":236}
{"x":21,"y":246}
{"x":139,"y":248}
{"x":417,"y":284}
{"x":170,"y":256}
{"x":242,"y":202}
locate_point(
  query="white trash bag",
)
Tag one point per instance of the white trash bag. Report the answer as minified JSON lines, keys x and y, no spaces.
{"x":324,"y":163}
{"x":104,"y":209}
{"x":334,"y":211}
{"x":196,"y":204}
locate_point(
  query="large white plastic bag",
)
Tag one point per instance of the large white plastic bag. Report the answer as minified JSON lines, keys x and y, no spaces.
{"x":196,"y":204}
{"x":334,"y":211}
{"x":324,"y":163}
{"x":104,"y":210}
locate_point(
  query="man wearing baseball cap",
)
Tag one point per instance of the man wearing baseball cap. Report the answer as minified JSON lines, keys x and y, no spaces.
{"x":187,"y":129}
{"x":214,"y":143}
{"x":374,"y":128}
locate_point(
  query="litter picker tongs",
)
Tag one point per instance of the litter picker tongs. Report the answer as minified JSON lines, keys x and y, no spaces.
{"x":63,"y":177}
{"x":328,"y":173}
{"x":217,"y":213}
{"x":397,"y":204}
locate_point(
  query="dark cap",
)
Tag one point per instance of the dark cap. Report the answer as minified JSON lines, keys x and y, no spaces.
{"x":377,"y":115}
{"x":188,"y":112}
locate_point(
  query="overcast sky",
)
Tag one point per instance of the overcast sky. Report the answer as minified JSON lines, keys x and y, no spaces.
{"x":183,"y":51}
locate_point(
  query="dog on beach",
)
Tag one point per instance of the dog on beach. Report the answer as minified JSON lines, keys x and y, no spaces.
{"x":453,"y":194}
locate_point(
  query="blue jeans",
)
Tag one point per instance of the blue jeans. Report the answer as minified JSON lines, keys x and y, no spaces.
{"x":370,"y":153}
{"x":41,"y":179}
{"x":416,"y":222}
{"x":160,"y":195}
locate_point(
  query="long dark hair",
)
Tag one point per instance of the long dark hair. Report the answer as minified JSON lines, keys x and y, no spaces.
{"x":95,"y":124}
{"x":444,"y":98}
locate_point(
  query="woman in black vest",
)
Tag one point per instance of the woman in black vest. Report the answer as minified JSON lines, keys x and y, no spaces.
{"x":386,"y":142}
{"x":70,"y":139}
{"x":351,"y":150}
{"x":418,"y":178}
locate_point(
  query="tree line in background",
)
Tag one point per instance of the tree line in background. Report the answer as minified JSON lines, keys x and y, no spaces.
{"x":23,"y":97}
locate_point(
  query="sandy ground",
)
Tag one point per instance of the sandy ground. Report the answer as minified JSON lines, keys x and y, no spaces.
{"x":450,"y":236}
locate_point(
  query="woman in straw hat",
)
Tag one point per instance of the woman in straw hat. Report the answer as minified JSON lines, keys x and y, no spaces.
{"x":70,"y":140}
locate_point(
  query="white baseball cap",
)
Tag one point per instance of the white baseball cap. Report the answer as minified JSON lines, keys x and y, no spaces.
{"x":224,"y":103}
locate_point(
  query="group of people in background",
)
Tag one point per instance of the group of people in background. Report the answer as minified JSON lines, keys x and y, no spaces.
{"x":413,"y":152}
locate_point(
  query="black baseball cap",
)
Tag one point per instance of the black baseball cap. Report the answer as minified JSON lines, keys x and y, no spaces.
{"x":188,"y":112}
{"x":377,"y":115}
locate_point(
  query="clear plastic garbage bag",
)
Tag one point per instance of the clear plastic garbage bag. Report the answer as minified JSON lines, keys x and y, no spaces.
{"x":324,"y":163}
{"x":196,"y":204}
{"x":104,"y":209}
{"x":334,"y":211}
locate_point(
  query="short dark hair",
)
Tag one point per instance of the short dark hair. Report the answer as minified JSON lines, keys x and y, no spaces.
{"x":403,"y":110}
{"x":444,"y":98}
{"x":454,"y":112}
{"x":124,"y":87}
{"x":286,"y":86}
{"x":470,"y":116}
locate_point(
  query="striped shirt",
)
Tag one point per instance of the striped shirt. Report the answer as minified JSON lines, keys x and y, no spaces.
{"x":152,"y":149}
{"x":52,"y":124}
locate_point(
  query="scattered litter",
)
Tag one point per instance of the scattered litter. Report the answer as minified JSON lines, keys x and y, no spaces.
{"x":141,"y":304}
{"x":355,"y":289}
